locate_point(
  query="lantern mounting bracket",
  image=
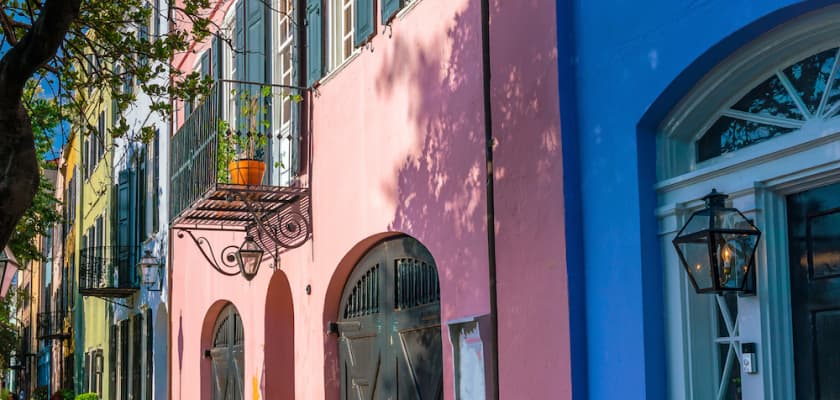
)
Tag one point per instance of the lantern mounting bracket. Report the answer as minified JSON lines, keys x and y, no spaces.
{"x":227,"y":255}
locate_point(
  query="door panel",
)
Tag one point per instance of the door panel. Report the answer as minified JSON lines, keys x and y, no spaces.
{"x":827,"y":350}
{"x":228,"y":356}
{"x":814,"y":236}
{"x":390,"y":338}
{"x":422,"y":359}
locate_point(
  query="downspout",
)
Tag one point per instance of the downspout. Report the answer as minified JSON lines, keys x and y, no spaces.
{"x":491,"y":214}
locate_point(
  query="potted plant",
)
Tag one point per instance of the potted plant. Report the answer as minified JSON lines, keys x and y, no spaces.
{"x":237,"y":161}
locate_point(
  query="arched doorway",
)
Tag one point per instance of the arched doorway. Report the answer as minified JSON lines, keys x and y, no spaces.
{"x":228,"y":356}
{"x":389,"y":325}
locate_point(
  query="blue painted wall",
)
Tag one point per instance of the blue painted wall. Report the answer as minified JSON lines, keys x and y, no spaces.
{"x":634,"y":61}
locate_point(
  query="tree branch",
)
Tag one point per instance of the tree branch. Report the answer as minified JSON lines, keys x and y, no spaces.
{"x":36,"y":48}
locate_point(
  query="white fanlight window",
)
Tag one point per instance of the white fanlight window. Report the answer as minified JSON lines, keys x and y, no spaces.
{"x":805,"y":93}
{"x":763,"y":126}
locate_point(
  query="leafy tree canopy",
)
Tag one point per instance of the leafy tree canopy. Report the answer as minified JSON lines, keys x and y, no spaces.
{"x":60,"y":60}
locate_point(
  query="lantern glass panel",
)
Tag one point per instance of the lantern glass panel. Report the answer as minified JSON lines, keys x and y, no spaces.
{"x":249,"y":258}
{"x":734,"y":253}
{"x":699,"y":222}
{"x":696,"y":261}
{"x":148,"y":274}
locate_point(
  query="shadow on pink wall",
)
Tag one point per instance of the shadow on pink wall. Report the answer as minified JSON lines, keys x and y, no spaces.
{"x":441,"y":190}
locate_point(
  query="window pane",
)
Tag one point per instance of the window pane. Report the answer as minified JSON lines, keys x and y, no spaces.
{"x":732,"y":388}
{"x":809,"y":77}
{"x":769,"y":98}
{"x":730,"y":134}
{"x":824,"y":245}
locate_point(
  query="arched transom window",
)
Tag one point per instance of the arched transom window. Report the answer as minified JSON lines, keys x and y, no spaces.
{"x":801,"y":93}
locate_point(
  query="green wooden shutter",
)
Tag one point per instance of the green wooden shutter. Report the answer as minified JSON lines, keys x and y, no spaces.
{"x":149,"y":353}
{"x":389,"y":9}
{"x":314,"y":42}
{"x":137,"y":357}
{"x":155,"y":183}
{"x":112,"y":359}
{"x":87,"y":372}
{"x":123,"y":220}
{"x":135,"y":213}
{"x":257,"y":63}
{"x":216,"y":58}
{"x":124,"y":359}
{"x":255,"y":49}
{"x":363,"y":29}
{"x":142,"y":195}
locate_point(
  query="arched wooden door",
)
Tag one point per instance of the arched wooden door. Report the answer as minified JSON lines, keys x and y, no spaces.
{"x":389,"y":330}
{"x":228,"y":355}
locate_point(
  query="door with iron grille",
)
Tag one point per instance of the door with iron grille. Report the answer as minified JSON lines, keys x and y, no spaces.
{"x":389,"y":325}
{"x":814,"y":234}
{"x":228,"y":356}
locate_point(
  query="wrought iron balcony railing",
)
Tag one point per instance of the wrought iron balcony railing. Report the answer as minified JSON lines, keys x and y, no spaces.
{"x":108,"y":271}
{"x":235,"y":120}
{"x":241,"y":120}
{"x":51,"y":325}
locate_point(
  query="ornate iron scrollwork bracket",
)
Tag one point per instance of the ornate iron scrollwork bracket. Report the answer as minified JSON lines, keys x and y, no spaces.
{"x":288,"y":228}
{"x":227,"y":256}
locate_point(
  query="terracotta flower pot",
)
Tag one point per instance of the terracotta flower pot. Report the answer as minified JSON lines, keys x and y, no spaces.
{"x":246,"y":172}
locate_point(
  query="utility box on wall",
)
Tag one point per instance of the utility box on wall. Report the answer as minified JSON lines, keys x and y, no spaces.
{"x":472,"y":354}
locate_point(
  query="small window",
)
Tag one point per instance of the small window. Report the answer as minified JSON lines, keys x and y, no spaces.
{"x":805,"y":91}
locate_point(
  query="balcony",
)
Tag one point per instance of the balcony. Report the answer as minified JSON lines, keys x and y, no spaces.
{"x":275,"y":211}
{"x":51,"y":326}
{"x":108,"y":271}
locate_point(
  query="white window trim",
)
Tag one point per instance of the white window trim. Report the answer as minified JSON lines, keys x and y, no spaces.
{"x":401,"y":14}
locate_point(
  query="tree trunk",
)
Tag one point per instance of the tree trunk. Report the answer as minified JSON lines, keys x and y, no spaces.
{"x":19,"y":172}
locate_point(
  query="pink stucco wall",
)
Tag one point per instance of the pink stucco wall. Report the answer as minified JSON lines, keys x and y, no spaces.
{"x":398,"y":144}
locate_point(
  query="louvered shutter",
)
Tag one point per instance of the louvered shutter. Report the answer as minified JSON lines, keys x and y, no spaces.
{"x":389,"y":9}
{"x":216,"y":55}
{"x":363,"y":29}
{"x":124,"y":360}
{"x":142,"y":196}
{"x":128,"y":271}
{"x":155,"y":182}
{"x":123,"y":221}
{"x":149,"y":354}
{"x":86,"y":373}
{"x":112,"y":360}
{"x":137,"y":357}
{"x":314,"y":42}
{"x":258,"y":56}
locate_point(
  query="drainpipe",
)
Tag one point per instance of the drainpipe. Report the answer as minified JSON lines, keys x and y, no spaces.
{"x":491,"y":215}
